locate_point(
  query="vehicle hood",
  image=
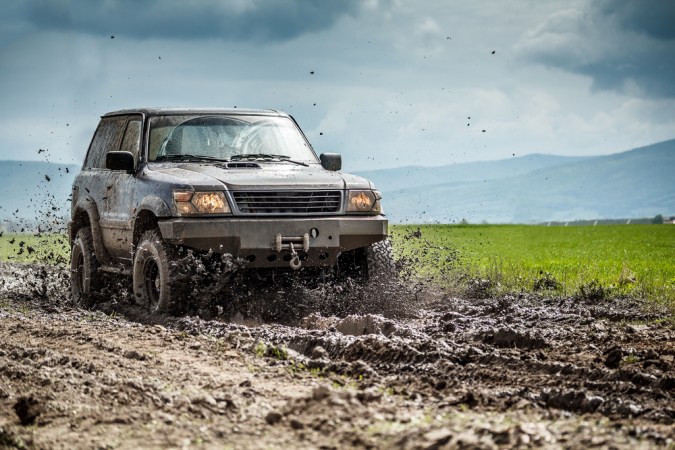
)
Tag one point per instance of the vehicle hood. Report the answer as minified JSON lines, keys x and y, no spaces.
{"x":269,"y":175}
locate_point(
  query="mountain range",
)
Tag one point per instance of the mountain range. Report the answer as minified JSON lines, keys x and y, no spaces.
{"x":528,"y":189}
{"x":534,"y":188}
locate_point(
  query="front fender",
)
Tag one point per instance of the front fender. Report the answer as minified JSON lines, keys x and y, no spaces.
{"x":155,"y":205}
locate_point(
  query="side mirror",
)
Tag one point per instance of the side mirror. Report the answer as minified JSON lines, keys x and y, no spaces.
{"x":331,"y":161}
{"x":120,"y":161}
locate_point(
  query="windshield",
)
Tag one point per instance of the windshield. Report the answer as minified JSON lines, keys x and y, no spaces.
{"x":221,"y":137}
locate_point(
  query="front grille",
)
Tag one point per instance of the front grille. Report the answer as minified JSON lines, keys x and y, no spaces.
{"x":287,"y":202}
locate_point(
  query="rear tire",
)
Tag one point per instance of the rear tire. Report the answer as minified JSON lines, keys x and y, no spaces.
{"x":85,"y":281}
{"x":155,"y":283}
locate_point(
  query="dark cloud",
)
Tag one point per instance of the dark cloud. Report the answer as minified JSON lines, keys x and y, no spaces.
{"x":253,"y":20}
{"x":655,"y":18}
{"x":622,"y":45}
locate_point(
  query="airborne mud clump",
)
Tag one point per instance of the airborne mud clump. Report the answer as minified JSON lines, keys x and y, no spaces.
{"x":286,"y":363}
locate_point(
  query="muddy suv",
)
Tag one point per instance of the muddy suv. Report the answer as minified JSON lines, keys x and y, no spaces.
{"x":239,"y":183}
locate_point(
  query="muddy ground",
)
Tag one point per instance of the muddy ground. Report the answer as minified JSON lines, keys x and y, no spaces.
{"x":331,"y":367}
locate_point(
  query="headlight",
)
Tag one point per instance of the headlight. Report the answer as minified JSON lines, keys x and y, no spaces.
{"x":200,"y":203}
{"x":364,"y":201}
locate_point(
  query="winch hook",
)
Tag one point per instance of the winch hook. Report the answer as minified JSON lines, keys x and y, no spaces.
{"x":295,"y":259}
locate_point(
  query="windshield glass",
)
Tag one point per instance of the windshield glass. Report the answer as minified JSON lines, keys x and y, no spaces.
{"x":223,"y":137}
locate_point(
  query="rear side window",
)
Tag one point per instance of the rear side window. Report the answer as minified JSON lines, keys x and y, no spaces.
{"x":107,"y":138}
{"x":132,"y":137}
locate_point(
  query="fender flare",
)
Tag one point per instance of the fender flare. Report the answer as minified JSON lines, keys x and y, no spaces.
{"x":155,"y":205}
{"x":89,"y":207}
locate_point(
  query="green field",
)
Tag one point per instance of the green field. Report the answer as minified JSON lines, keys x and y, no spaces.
{"x":600,"y":261}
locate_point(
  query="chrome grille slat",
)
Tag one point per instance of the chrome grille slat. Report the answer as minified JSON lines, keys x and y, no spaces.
{"x":287,"y":202}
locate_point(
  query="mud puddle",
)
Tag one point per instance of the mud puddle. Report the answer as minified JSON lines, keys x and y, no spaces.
{"x":390,"y":366}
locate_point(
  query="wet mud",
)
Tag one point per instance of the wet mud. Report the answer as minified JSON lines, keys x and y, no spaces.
{"x":330,"y":365}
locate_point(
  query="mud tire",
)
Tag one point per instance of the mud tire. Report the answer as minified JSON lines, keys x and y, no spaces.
{"x":367,"y":263}
{"x":380,"y":260}
{"x":155,"y":283}
{"x":85,"y":281}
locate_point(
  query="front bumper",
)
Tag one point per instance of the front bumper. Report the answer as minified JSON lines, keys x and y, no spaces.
{"x":256,"y":239}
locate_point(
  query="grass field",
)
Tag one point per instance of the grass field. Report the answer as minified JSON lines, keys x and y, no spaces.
{"x":596,"y":262}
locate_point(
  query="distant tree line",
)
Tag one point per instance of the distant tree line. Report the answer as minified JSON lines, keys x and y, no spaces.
{"x":656,"y":220}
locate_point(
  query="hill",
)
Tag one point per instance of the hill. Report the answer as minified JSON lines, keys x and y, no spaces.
{"x":636,"y":183}
{"x":411,"y":176}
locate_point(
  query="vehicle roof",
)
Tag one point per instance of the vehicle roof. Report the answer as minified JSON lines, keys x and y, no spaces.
{"x":182,"y":111}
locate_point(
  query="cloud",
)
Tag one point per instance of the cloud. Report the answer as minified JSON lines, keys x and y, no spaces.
{"x":623,"y":46}
{"x":236,"y":20}
{"x":655,"y":18}
{"x":388,"y":85}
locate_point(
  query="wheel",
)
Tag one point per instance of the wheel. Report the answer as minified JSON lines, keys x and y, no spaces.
{"x":155,"y":286}
{"x":365,"y":263}
{"x":85,"y":281}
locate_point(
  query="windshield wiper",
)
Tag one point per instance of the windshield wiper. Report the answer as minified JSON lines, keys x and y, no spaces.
{"x":188,"y":156}
{"x":267,"y":157}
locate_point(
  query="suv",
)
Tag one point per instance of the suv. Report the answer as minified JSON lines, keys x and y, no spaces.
{"x":157,"y":182}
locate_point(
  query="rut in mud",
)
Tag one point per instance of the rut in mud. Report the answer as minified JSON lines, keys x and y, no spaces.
{"x":331,"y":366}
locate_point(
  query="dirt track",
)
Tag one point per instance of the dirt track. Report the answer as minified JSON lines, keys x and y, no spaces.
{"x":432,"y":372}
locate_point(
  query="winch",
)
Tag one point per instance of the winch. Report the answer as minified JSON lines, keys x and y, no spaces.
{"x":289,"y":243}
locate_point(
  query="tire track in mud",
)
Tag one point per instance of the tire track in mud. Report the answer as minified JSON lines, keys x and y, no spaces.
{"x":498,"y":360}
{"x":491,"y":356}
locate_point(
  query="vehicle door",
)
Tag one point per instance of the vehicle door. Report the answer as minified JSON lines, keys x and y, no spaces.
{"x":89,"y":186}
{"x":118,"y":195}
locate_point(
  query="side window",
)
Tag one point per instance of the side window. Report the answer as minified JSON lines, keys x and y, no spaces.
{"x":132,"y":137}
{"x":106,"y":138}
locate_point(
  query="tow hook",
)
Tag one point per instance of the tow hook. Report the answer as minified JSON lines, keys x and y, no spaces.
{"x":295,"y":259}
{"x":286,"y":243}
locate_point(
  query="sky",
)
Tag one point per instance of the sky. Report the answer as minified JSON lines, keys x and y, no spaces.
{"x":386,"y":83}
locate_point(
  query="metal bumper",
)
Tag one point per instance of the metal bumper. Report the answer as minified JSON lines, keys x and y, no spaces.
{"x":265,"y":242}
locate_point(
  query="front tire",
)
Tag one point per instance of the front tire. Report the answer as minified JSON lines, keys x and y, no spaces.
{"x":85,"y":281}
{"x":380,"y":260}
{"x":155,"y":284}
{"x":375,"y":261}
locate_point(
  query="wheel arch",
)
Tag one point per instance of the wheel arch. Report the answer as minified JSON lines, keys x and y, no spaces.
{"x":86,"y":215}
{"x":79,"y":220}
{"x":150,"y":209}
{"x":155,"y":205}
{"x":145,"y":220}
